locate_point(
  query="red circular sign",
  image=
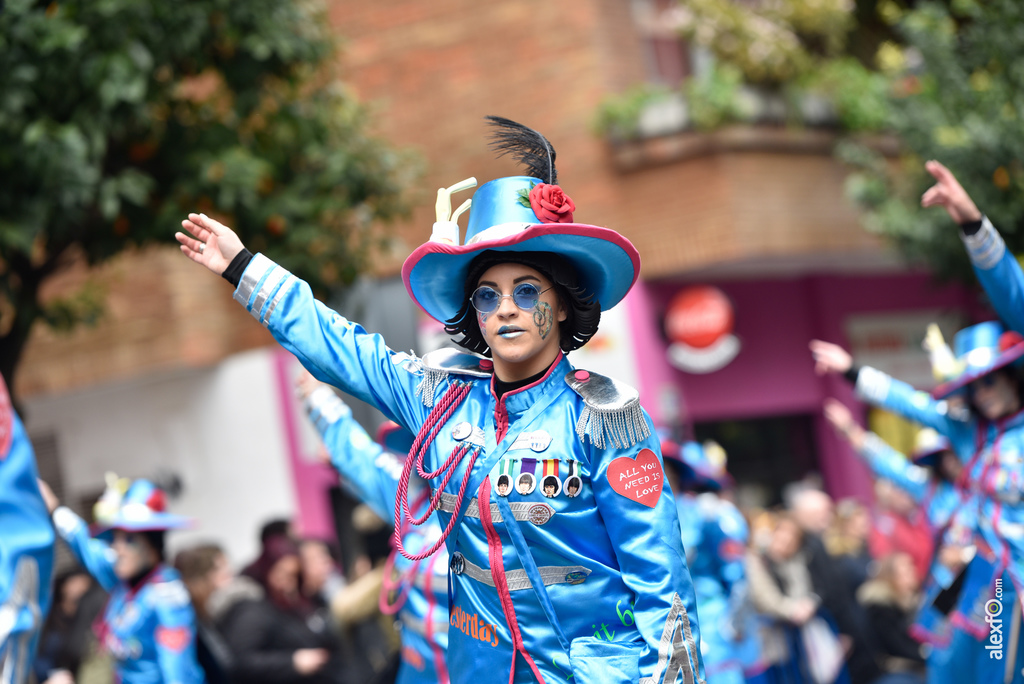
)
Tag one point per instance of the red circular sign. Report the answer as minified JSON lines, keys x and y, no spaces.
{"x":699,"y":316}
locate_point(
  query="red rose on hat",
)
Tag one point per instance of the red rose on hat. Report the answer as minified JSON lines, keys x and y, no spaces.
{"x":551,"y":204}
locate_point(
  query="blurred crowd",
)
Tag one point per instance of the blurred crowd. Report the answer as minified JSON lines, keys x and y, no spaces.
{"x":295,"y":614}
{"x":292,"y":614}
{"x":860,"y":568}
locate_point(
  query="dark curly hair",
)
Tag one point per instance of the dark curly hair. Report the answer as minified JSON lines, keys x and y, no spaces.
{"x":583,"y":312}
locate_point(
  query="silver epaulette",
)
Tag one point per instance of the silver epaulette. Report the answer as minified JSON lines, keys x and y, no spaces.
{"x":612,"y":416}
{"x":441,"y":363}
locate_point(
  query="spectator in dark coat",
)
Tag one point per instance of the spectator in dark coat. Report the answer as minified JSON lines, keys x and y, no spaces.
{"x":57,"y":656}
{"x":891,"y":601}
{"x":205,"y":570}
{"x":272,"y":529}
{"x":281,"y":637}
{"x":813,"y":511}
{"x":847,"y":541}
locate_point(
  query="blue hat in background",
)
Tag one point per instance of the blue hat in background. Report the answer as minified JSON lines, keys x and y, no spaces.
{"x":928,"y":445}
{"x":394,"y":437}
{"x":981,"y":349}
{"x":699,"y":465}
{"x":138,"y":506}
{"x":516,"y":214}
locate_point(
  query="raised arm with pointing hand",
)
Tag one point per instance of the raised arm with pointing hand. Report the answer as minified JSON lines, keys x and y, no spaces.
{"x":949,"y":194}
{"x":996,"y":267}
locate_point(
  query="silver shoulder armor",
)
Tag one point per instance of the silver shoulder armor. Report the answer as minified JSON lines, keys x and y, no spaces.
{"x":459,"y":362}
{"x":441,"y":363}
{"x":612,"y":416}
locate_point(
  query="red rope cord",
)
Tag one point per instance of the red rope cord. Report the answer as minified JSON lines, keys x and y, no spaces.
{"x":404,"y":582}
{"x":438,"y":416}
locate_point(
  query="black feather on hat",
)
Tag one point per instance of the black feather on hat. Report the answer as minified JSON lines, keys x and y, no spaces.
{"x":530,"y":148}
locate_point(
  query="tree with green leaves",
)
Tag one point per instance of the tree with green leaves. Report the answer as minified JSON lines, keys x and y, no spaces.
{"x":119,"y":116}
{"x":792,"y":62}
{"x":943,"y":79}
{"x":957,"y":96}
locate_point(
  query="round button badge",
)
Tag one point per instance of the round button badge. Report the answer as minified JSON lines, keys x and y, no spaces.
{"x":462,"y":431}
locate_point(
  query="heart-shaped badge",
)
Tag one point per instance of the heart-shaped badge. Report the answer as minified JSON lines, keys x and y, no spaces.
{"x":638,"y":478}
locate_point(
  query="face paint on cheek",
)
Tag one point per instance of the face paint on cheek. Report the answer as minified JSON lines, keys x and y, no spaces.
{"x":482,"y":321}
{"x":543,"y":319}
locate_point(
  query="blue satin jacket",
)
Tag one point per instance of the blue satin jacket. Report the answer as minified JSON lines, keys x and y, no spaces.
{"x":715,"y":536}
{"x":610,"y":564}
{"x":371,"y":474}
{"x":26,"y":548}
{"x":150,"y":630}
{"x":999,"y":273}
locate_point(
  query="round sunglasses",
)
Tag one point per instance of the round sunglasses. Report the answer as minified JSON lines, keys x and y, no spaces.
{"x":486,"y":299}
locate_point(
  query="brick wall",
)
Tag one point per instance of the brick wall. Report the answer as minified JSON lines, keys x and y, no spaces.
{"x":163,"y":312}
{"x":431,"y":71}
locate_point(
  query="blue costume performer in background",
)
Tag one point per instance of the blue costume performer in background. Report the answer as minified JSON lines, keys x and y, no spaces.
{"x":148,"y":624}
{"x":715,"y":536}
{"x":572,"y":565}
{"x":372,"y":473}
{"x":952,"y":624}
{"x":988,"y":437}
{"x":26,"y":548}
{"x":990,"y":478}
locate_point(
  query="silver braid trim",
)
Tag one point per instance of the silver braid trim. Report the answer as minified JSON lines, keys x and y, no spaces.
{"x":620,"y":428}
{"x":986,"y":247}
{"x":872,"y":384}
{"x":427,"y":389}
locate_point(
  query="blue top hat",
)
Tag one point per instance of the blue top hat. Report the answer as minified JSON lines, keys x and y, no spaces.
{"x":517,"y":214}
{"x":699,"y":465}
{"x":395,"y":438}
{"x":981,"y":349}
{"x":138,"y":507}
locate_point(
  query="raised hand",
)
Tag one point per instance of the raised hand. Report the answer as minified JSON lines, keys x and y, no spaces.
{"x":842,"y":420}
{"x":949,"y":194}
{"x":211,"y":243}
{"x":830,"y":358}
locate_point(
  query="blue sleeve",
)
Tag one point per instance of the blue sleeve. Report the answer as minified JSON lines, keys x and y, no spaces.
{"x":649,"y":549}
{"x":999,"y":273}
{"x":175,"y":634}
{"x":332,"y":348}
{"x":26,"y":547}
{"x":94,"y":555}
{"x":884,"y":391}
{"x":886,"y":462}
{"x":368,"y":472}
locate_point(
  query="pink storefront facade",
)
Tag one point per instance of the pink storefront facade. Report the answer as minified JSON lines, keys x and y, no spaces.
{"x":772,"y":377}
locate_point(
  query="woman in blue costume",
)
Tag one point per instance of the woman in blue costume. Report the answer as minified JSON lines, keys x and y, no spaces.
{"x":371,"y":472}
{"x":148,"y":625}
{"x":989,"y":439}
{"x":955,"y":634}
{"x":26,"y":548}
{"x":715,"y":536}
{"x":988,"y":442}
{"x":590,"y":582}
